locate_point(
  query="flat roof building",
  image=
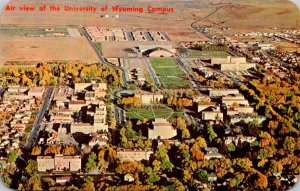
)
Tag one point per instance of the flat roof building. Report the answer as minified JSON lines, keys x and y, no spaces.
{"x":161,"y":129}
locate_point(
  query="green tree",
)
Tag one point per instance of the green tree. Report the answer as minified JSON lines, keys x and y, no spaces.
{"x":211,"y":133}
{"x":153,"y":177}
{"x":6,"y":180}
{"x":91,"y":163}
{"x":88,"y":186}
{"x":231,"y":147}
{"x":31,"y":167}
{"x":12,"y":157}
{"x":202,"y":175}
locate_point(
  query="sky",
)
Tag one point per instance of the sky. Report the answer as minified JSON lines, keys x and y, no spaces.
{"x":297,"y":2}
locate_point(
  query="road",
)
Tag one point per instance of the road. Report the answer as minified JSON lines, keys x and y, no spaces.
{"x":36,"y":126}
{"x":152,"y":72}
{"x":193,"y":78}
{"x":193,"y":25}
{"x":102,"y":58}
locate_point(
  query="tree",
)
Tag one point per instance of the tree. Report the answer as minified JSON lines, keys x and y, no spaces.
{"x":91,"y":163}
{"x":6,"y":180}
{"x":175,"y":185}
{"x":289,"y":144}
{"x":69,"y":150}
{"x":211,"y":133}
{"x":153,"y":177}
{"x":202,"y":175}
{"x":261,"y":181}
{"x":31,"y":167}
{"x":231,"y":147}
{"x":129,"y":167}
{"x":12,"y":157}
{"x":88,"y":186}
{"x":37,"y":150}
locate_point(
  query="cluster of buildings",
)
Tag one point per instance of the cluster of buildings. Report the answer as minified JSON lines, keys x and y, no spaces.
{"x":99,"y":34}
{"x":17,"y":112}
{"x":232,"y":63}
{"x":138,"y":75}
{"x":81,"y":107}
{"x":74,"y":110}
{"x":232,"y":106}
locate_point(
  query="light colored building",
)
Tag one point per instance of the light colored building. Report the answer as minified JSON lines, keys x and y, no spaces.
{"x":77,"y":105}
{"x":230,"y":102}
{"x":236,"y":66}
{"x":212,"y":114}
{"x":240,"y":138}
{"x":232,"y":63}
{"x":98,"y":139}
{"x":228,"y":60}
{"x":134,"y":154}
{"x":239,"y":109}
{"x":149,"y":98}
{"x":36,"y":92}
{"x":59,"y":163}
{"x":161,"y":129}
{"x":88,"y":128}
{"x":247,"y":117}
{"x":222,"y":92}
{"x":211,"y":153}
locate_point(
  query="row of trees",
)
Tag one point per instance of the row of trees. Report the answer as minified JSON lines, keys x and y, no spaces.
{"x":63,"y":73}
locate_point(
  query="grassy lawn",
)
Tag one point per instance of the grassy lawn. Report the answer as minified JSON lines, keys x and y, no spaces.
{"x":207,"y":54}
{"x":169,"y":71}
{"x":166,"y":69}
{"x":99,"y":47}
{"x":25,"y":31}
{"x":141,"y":113}
{"x":163,"y":62}
{"x":174,"y":82}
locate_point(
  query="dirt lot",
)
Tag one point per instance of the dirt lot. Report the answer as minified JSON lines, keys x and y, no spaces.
{"x":256,"y":15}
{"x":287,"y":47}
{"x":46,"y":49}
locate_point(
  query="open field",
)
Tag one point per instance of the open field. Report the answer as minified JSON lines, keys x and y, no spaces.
{"x":174,"y":82}
{"x":166,"y":67}
{"x":169,"y":73}
{"x":46,"y":49}
{"x":255,"y":15}
{"x":142,"y":113}
{"x":32,"y":31}
{"x":287,"y":46}
{"x":207,"y":54}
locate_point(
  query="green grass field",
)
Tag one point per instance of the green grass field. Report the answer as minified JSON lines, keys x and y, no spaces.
{"x":207,"y":54}
{"x":173,"y":82}
{"x":171,"y":74}
{"x":142,"y":113}
{"x":99,"y":47}
{"x":163,"y":62}
{"x":31,"y":31}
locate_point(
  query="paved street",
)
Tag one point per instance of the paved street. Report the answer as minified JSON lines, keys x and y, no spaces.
{"x":36,"y":126}
{"x":152,"y":72}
